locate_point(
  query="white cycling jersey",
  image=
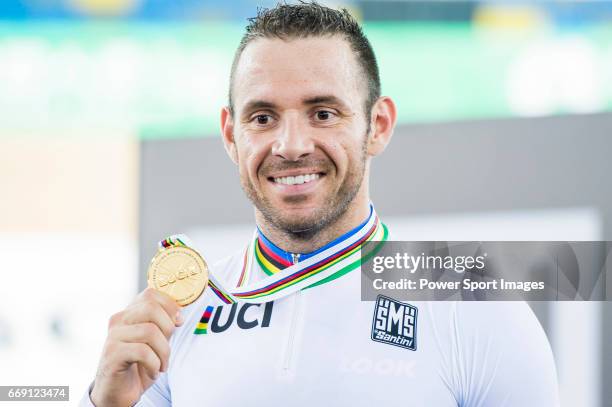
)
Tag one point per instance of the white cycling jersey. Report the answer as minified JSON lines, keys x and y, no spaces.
{"x":322,"y":345}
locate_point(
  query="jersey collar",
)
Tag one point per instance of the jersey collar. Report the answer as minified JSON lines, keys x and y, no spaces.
{"x":273,"y":259}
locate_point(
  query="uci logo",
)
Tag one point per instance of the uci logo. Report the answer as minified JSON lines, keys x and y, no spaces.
{"x":246,"y":316}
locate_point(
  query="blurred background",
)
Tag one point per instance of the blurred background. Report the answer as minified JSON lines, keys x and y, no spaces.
{"x":109,"y":141}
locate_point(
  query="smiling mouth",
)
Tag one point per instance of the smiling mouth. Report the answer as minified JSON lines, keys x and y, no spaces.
{"x":297,"y":179}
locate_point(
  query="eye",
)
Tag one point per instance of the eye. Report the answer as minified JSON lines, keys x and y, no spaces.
{"x":262,"y":119}
{"x":323,"y":115}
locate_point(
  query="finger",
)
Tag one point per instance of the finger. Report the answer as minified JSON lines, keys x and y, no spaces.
{"x":167,"y":303}
{"x":146,"y":333}
{"x":127,"y":353}
{"x":149,"y":311}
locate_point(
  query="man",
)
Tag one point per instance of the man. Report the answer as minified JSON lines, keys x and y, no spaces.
{"x":304,"y":120}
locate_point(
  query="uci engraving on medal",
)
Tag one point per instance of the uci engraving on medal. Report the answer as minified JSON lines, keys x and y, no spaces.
{"x":179,"y":272}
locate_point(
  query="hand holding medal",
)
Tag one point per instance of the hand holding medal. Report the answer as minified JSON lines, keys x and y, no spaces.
{"x":137,"y":347}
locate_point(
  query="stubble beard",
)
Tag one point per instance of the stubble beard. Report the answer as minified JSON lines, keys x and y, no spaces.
{"x":326,"y":216}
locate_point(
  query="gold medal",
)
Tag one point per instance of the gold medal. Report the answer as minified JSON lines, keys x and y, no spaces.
{"x":179,"y":272}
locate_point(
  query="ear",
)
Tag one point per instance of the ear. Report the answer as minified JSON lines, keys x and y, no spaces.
{"x":382,"y":123}
{"x":227,"y":131}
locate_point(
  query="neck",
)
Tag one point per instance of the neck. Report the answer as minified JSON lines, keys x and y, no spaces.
{"x":355,"y":214}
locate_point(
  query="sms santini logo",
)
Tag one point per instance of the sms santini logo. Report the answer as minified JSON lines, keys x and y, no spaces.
{"x":394,"y":323}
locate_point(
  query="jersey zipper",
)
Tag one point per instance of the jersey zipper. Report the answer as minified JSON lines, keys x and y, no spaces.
{"x":295,"y":257}
{"x":297,"y":305}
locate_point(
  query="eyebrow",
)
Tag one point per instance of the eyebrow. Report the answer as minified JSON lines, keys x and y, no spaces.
{"x":258,"y":104}
{"x":327,"y":99}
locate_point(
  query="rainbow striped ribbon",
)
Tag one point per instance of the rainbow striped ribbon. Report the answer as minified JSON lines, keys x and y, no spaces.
{"x":321,"y":268}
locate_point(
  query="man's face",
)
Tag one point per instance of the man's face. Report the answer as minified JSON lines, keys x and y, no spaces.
{"x":300,"y":129}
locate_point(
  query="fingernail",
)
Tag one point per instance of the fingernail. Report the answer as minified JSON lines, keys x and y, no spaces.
{"x":178,"y":318}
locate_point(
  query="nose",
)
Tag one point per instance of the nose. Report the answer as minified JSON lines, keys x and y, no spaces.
{"x":293,"y":140}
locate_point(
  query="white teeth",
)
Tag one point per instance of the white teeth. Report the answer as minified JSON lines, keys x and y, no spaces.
{"x":300,"y":179}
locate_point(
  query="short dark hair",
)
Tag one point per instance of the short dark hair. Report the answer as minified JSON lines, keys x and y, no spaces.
{"x":310,"y":19}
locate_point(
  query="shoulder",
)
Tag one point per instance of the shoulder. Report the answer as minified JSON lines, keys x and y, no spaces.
{"x":496,"y":351}
{"x":485,"y":317}
{"x":509,"y":325}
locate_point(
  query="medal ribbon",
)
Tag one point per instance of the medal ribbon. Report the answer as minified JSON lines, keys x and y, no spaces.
{"x":331,"y":263}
